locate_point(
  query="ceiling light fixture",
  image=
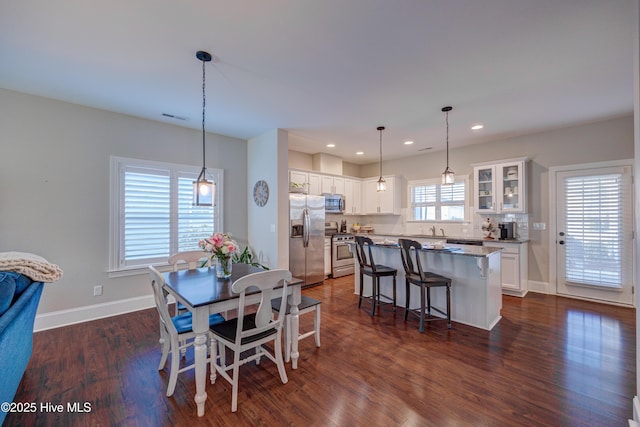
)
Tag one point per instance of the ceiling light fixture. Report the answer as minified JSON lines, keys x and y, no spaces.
{"x":381,"y":185}
{"x":477,"y":127}
{"x":448,"y":176}
{"x":408,"y":142}
{"x":359,"y":153}
{"x":331,"y":145}
{"x":204,"y":191}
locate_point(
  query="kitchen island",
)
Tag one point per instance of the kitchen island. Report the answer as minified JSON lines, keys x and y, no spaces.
{"x":476,"y":293}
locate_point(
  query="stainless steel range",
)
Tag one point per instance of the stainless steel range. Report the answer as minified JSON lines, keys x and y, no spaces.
{"x":342,"y":262}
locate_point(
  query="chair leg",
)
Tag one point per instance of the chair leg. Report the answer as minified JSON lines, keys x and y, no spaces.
{"x":429,"y":301}
{"x":373,"y":295}
{"x":175,"y":366}
{"x":166,"y":348}
{"x":406,"y":302}
{"x":316,"y":325}
{"x":448,"y":307}
{"x":279,"y":362}
{"x":422,"y":308}
{"x":234,"y":384}
{"x":361,"y":289}
{"x":394,"y":292}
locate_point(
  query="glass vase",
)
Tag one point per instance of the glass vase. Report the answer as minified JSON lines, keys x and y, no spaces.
{"x":223,"y":267}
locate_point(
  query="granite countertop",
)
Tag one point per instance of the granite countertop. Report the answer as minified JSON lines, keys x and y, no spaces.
{"x":475,"y":251}
{"x":431,"y":237}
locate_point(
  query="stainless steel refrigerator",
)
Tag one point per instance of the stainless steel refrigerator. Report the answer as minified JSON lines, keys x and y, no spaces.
{"x":306,"y":237}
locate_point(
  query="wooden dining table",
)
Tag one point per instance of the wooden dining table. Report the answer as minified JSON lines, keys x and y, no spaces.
{"x":202,"y":293}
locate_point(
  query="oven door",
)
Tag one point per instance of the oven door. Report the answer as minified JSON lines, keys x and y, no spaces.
{"x":342,"y":262}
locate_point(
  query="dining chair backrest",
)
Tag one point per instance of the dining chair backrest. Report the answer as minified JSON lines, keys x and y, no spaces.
{"x":363,"y":252}
{"x":409,"y":250}
{"x":266,"y":282}
{"x":193,"y":259}
{"x":160,"y":298}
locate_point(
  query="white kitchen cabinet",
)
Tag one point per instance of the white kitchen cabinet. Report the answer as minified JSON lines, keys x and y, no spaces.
{"x":315,"y":184}
{"x":515,"y":267}
{"x":332,"y":184}
{"x":298,"y":179}
{"x":353,"y":196}
{"x":500,"y":187}
{"x":383,"y":202}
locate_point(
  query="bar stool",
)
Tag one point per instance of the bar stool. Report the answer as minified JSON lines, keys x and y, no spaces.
{"x":369,"y":268}
{"x":426,"y":280}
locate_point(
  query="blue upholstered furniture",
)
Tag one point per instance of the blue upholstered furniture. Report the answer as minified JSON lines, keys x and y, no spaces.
{"x":19,"y":297}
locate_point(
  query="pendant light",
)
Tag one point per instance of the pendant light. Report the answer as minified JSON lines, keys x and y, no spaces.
{"x":447,"y":176}
{"x":204,"y":191}
{"x":381,"y":185}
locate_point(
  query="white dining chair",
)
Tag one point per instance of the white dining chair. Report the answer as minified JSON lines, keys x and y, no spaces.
{"x":193,"y":259}
{"x":307,"y":305}
{"x":176,"y":332}
{"x":251,"y":331}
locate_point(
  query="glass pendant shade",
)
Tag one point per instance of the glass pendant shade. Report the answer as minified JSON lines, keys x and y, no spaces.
{"x":381,"y":185}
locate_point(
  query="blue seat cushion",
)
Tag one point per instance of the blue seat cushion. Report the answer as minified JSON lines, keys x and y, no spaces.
{"x":7,"y":290}
{"x":183,"y":322}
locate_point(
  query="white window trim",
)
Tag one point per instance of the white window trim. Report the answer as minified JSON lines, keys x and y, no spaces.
{"x":115,"y":202}
{"x":436,"y":181}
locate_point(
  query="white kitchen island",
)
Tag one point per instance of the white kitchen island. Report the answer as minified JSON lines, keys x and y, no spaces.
{"x":476,"y":292}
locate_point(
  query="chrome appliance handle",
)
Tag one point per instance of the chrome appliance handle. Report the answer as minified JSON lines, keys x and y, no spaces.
{"x":307,"y":223}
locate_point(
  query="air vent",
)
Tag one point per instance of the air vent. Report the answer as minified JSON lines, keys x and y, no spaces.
{"x":425,"y":149}
{"x":172,"y":116}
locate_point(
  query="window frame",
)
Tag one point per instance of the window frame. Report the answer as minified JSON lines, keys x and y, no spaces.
{"x":116,"y":207}
{"x":438,"y":204}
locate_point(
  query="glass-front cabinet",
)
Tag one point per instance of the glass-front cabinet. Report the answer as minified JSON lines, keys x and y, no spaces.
{"x":500,"y":187}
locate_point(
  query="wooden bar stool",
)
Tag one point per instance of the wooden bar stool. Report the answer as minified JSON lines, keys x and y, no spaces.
{"x":415,"y":275}
{"x":369,"y":268}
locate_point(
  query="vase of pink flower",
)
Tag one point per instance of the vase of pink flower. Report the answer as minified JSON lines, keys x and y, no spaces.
{"x":222,"y":248}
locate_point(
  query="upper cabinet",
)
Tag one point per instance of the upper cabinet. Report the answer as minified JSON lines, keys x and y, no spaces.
{"x":383,"y":202}
{"x":352,"y":196}
{"x":500,"y":187}
{"x":315,"y":184}
{"x":332,"y":184}
{"x":298,"y":181}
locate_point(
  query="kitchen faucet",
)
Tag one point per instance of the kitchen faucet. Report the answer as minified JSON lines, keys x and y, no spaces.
{"x":433,"y":231}
{"x":442,"y":231}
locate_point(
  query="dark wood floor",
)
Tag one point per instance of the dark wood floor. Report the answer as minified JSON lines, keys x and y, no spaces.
{"x":549,"y":362}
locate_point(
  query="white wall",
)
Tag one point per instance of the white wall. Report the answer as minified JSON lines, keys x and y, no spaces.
{"x":267,"y":225}
{"x":54,"y":187}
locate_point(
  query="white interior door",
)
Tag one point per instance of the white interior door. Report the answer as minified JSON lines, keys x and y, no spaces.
{"x":594,"y":234}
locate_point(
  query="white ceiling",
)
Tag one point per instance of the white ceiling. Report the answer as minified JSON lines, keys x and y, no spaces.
{"x":331,"y":70}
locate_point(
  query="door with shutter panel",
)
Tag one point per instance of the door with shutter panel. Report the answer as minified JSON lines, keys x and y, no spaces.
{"x":594,"y":234}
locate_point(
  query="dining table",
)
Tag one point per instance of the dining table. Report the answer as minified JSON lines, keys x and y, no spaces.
{"x":202,"y":293}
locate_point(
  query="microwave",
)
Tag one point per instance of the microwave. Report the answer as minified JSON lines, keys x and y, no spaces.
{"x":333,"y":203}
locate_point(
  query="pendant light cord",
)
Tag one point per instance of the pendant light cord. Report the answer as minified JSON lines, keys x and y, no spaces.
{"x":380,"y":153}
{"x":204,"y":103}
{"x":447,"y":120}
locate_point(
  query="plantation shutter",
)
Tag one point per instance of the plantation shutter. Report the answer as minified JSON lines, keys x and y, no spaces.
{"x":598,"y":223}
{"x":194,"y":222}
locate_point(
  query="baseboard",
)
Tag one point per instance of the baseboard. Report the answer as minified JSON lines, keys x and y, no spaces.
{"x":540,"y":287}
{"x":57,"y":319}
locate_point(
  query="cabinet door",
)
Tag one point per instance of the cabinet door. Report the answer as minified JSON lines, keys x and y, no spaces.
{"x":338,"y":185}
{"x":357,"y":197}
{"x":315,"y":184}
{"x":327,"y":184}
{"x":510,"y":176}
{"x":352,"y":193}
{"x":298,"y":178}
{"x":510,"y":271}
{"x":370,"y":197}
{"x":327,"y":257}
{"x":386,"y":199}
{"x":484,"y":187}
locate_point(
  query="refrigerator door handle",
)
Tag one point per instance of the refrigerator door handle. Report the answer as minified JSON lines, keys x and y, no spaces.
{"x":307,"y":224}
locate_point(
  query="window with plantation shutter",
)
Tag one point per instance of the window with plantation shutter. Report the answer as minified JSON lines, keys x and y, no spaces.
{"x":597,"y":220}
{"x":152,"y":212}
{"x":430,"y":200}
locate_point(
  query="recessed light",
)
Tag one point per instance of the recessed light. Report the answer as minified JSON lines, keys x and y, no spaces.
{"x":359,"y":153}
{"x":477,"y":127}
{"x":408,"y":142}
{"x":331,"y":145}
